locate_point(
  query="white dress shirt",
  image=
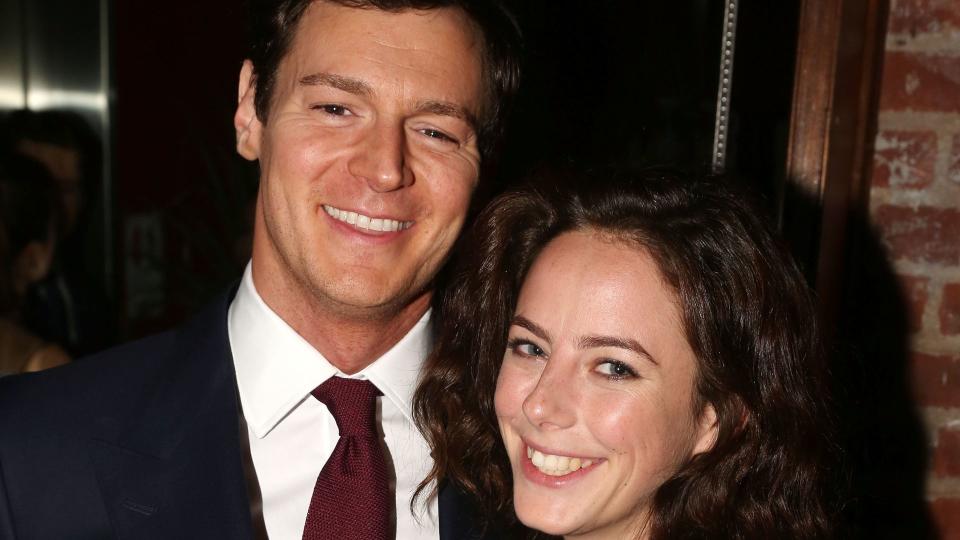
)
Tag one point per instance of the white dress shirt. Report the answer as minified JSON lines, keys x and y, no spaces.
{"x":292,"y":434}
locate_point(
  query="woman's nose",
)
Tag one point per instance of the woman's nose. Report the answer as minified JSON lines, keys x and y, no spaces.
{"x":552,"y":402}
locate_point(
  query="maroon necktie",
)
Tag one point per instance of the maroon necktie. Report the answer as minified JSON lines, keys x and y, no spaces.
{"x":352,"y":497}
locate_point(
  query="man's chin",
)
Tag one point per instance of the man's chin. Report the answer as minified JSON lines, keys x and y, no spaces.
{"x":370,"y":300}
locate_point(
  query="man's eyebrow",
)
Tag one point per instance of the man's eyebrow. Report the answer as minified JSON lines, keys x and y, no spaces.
{"x":446,"y":108}
{"x":347,"y":84}
{"x":588,"y":342}
{"x":534,"y":329}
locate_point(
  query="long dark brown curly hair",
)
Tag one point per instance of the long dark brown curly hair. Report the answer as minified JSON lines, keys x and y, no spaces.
{"x":748,"y":315}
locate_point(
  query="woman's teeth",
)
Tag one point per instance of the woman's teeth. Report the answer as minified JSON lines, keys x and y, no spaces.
{"x":556,"y":465}
{"x":361,"y":221}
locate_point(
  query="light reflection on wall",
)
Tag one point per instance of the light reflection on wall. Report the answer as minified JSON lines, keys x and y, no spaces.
{"x":53,"y":55}
{"x":39,"y":99}
{"x":11,"y":97}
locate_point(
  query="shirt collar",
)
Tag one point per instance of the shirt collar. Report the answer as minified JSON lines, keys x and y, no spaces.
{"x":277,"y":369}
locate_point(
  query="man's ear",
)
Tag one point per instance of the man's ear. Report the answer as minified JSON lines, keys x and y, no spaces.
{"x":245,"y":121}
{"x":708,"y":430}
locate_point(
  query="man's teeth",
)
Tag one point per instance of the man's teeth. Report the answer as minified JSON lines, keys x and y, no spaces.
{"x":556,"y":465}
{"x":361,"y":221}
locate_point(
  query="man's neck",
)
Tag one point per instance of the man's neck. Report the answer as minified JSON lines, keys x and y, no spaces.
{"x":349,"y":339}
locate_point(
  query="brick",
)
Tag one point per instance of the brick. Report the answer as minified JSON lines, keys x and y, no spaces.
{"x":946,"y":457}
{"x":946,"y":514}
{"x":924,"y":16}
{"x":953,"y":166}
{"x":924,"y":234}
{"x":936,"y":379}
{"x":950,"y":310}
{"x":920,"y":82}
{"x":915,"y":293}
{"x":904,"y":158}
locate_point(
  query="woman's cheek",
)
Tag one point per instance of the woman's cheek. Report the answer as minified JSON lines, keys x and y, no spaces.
{"x":507,"y":401}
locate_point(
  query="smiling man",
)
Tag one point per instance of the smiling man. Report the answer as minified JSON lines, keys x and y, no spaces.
{"x":369,"y":153}
{"x":288,"y":401}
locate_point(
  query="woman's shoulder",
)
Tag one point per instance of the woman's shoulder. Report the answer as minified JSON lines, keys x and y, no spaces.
{"x":19,"y":347}
{"x":47,"y":356}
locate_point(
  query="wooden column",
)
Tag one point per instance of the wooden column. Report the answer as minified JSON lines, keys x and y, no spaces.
{"x":839,"y":52}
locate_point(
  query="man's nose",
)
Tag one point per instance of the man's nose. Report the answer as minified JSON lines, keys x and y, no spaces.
{"x":381,"y":160}
{"x":553,"y":401}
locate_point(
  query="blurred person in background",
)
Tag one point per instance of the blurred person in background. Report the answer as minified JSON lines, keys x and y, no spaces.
{"x":28,"y":232}
{"x":69,"y":307}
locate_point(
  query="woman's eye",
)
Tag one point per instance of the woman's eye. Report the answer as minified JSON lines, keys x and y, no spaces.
{"x":614,"y":369}
{"x":332,"y":109}
{"x":525,"y":348}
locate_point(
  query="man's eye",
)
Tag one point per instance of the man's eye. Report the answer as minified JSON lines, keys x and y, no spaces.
{"x":523,"y":347}
{"x":332,"y":109}
{"x":436,"y":134}
{"x":615,"y":369}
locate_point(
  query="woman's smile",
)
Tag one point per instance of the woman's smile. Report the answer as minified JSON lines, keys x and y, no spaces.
{"x":553,"y":469}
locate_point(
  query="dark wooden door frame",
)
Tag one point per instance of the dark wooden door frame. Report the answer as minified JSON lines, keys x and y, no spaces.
{"x":840,"y":49}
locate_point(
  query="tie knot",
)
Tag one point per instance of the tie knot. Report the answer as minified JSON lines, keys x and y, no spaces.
{"x":353,"y":404}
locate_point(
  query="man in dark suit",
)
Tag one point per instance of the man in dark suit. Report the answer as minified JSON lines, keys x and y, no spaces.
{"x":370,"y":120}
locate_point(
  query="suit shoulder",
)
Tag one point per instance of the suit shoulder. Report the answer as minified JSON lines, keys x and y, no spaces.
{"x":106,"y":391}
{"x":86,"y":387}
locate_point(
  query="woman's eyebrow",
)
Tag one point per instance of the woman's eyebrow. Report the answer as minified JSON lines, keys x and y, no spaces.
{"x":591,"y":341}
{"x":534,"y":329}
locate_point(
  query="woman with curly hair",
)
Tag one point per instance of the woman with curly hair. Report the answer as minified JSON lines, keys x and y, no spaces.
{"x":631,"y":356}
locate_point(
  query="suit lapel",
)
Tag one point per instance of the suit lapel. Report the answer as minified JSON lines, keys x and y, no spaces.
{"x":454,"y":524}
{"x":458,"y":518}
{"x":176,"y":468}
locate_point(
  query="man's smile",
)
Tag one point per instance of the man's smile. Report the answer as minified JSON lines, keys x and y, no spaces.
{"x":365,"y":222}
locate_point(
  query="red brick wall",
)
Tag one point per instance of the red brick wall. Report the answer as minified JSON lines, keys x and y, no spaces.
{"x":915,"y":206}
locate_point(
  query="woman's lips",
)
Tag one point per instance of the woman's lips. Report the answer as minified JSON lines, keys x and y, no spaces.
{"x":555,"y":470}
{"x":556,"y":465}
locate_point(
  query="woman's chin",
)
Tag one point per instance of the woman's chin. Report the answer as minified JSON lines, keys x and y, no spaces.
{"x":572,"y":520}
{"x":547,"y":526}
{"x":548,"y":518}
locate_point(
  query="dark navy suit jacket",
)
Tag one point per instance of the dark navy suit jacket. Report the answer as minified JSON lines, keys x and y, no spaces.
{"x":139,"y":442}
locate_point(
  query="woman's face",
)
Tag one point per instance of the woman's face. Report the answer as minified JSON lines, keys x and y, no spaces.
{"x":595,"y":397}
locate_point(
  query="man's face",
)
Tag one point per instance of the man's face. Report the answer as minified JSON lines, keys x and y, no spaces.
{"x":368,"y":158}
{"x":63,"y":164}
